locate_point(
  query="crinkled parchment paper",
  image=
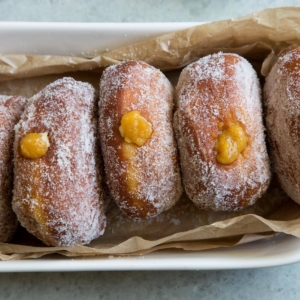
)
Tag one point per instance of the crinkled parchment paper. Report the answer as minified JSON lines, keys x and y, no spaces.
{"x":259,"y":37}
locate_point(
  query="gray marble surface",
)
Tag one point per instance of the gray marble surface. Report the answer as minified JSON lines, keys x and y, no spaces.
{"x":132,"y":10}
{"x":273,"y":283}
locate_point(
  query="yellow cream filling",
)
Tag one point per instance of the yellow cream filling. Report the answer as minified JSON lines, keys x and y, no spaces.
{"x":230,"y":143}
{"x":135,"y":128}
{"x":34,"y":145}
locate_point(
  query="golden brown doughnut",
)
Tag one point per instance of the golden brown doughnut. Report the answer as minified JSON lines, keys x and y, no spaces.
{"x":137,"y":139}
{"x":282,"y":100}
{"x":220,"y":133}
{"x":57,"y":192}
{"x":11,"y":108}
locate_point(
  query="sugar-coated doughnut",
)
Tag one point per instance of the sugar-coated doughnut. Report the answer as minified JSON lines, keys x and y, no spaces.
{"x":57,"y":192}
{"x":137,"y":140}
{"x":11,"y":108}
{"x":220,"y":133}
{"x":282,"y":100}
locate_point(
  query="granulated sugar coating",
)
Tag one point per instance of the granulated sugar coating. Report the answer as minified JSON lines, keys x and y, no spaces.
{"x":217,"y":90}
{"x":282,"y":97}
{"x":144,"y":181}
{"x":10,"y":112}
{"x":58,"y":197}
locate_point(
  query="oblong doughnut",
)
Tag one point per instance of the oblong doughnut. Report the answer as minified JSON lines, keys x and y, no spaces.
{"x":213,"y":94}
{"x":58,"y":197}
{"x":282,"y":100}
{"x":144,"y":180}
{"x":11,"y":108}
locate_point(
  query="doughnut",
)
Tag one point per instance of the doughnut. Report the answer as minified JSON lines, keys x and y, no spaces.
{"x":282,"y":101}
{"x":57,"y":188}
{"x":220,"y":133}
{"x":11,"y":108}
{"x":137,"y":139}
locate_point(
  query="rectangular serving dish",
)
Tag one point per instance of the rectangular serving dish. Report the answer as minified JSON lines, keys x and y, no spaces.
{"x":87,"y":39}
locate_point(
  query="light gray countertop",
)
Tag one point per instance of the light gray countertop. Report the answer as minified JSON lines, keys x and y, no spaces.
{"x":132,"y":10}
{"x":272,"y":283}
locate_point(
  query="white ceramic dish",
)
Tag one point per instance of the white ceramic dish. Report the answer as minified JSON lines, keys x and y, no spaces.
{"x":78,"y":39}
{"x":277,"y":251}
{"x":93,"y":38}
